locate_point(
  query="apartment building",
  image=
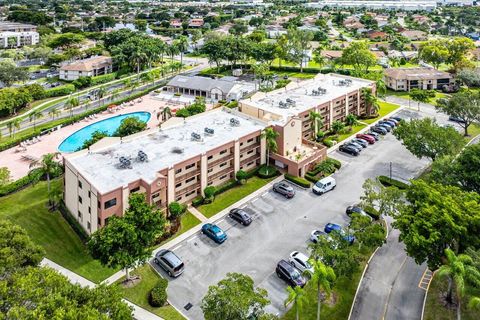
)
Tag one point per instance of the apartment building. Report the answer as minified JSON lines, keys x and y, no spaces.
{"x":406,"y":79}
{"x":17,"y":35}
{"x":288,"y":109}
{"x":174,"y":163}
{"x":90,"y":67}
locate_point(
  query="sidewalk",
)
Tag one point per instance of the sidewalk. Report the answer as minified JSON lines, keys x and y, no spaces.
{"x":138,"y":312}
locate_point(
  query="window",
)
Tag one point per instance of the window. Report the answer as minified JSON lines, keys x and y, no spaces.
{"x":210,"y":170}
{"x":99,"y":221}
{"x":223,"y":151}
{"x":179,"y":198}
{"x":223,"y":164}
{"x":250,"y":152}
{"x":89,"y":210}
{"x":178,"y":185}
{"x":241,"y":144}
{"x":250,"y":163}
{"x":110,"y":203}
{"x":209,"y":157}
{"x":178,"y":170}
{"x":190,"y":193}
{"x":80,"y":199}
{"x":223,"y":177}
{"x":134,"y":189}
{"x":190,"y":179}
{"x":80,"y":184}
{"x":89,"y":194}
{"x":88,"y":225}
{"x":249,"y":140}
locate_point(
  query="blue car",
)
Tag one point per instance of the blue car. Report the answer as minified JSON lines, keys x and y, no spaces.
{"x":329,"y":227}
{"x":214,"y":232}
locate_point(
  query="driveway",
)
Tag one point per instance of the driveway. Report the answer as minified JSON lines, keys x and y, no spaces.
{"x":279,"y":227}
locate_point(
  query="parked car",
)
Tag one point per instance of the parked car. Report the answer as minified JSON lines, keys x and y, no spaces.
{"x":396,"y":118}
{"x":324,"y":185}
{"x":379,"y":129}
{"x":387,"y":122}
{"x":316,"y":234}
{"x":169,"y":262}
{"x":240,"y":216}
{"x":456,"y":119}
{"x":361,"y":142}
{"x":393,"y":120}
{"x":347,"y":148}
{"x":289,"y":274}
{"x":333,"y":227}
{"x":284,"y":189}
{"x":300,"y":261}
{"x":356,"y":209}
{"x":370,"y":139}
{"x":214,"y":232}
{"x":356,"y":145}
{"x":374,"y":134}
{"x":385,"y":126}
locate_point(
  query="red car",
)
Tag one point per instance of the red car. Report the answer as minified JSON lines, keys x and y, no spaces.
{"x":370,"y":139}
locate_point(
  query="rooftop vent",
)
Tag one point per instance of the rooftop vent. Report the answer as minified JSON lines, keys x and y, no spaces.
{"x":142,"y":156}
{"x":209,"y":131}
{"x":283,"y":105}
{"x":125,"y":163}
{"x":234,"y":122}
{"x":196,"y":137}
{"x":177,"y":150}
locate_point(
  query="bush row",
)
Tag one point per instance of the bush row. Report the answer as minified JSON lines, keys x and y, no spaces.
{"x":387,"y":182}
{"x":20,"y":183}
{"x":298,"y":180}
{"x":60,"y":91}
{"x":266,"y":172}
{"x":372,"y":212}
{"x":323,"y":169}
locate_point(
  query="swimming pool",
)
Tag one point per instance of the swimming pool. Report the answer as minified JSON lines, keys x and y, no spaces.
{"x":76,"y":139}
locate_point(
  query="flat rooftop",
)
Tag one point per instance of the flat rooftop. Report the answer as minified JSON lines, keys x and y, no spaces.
{"x":163,"y":147}
{"x":305,"y":94}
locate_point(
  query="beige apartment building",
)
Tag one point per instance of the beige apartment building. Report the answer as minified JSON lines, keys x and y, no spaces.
{"x":406,"y":79}
{"x":288,"y":109}
{"x":174,"y":163}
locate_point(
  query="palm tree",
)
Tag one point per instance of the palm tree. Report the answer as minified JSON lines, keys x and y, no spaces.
{"x":381,"y":87}
{"x":55,"y":197}
{"x":54,"y":112}
{"x":296,"y":296}
{"x":166,"y":113}
{"x":317,"y":121}
{"x":371,"y":101}
{"x":270,"y":136}
{"x":323,"y":277}
{"x":102,"y":91}
{"x":459,"y":270}
{"x":351,"y":119}
{"x":474,"y":303}
{"x":182,"y":44}
{"x":34,"y":116}
{"x":71,"y":104}
{"x":137,"y":59}
{"x":48,"y":167}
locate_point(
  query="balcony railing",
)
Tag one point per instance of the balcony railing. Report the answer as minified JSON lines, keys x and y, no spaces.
{"x":220,"y":173}
{"x":254,"y":157}
{"x":221,"y":160}
{"x":187,"y":175}
{"x":183,"y":190}
{"x":249,"y":147}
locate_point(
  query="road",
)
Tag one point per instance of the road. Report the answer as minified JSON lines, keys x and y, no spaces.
{"x":279,"y":227}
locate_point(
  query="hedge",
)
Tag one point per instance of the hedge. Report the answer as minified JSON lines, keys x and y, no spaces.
{"x":387,"y":182}
{"x":20,"y":183}
{"x":311,"y":178}
{"x":197,"y":201}
{"x":298,"y":180}
{"x":328,"y":143}
{"x":372,"y":212}
{"x":158,"y":295}
{"x":226,"y":186}
{"x":60,"y":91}
{"x":335,"y":162}
{"x":68,"y":121}
{"x":103,"y":78}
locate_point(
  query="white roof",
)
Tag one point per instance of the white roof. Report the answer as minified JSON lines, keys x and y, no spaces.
{"x":100,"y":166}
{"x":301,"y":94}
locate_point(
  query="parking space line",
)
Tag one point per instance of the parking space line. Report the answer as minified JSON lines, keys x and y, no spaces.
{"x":177,"y":247}
{"x":193,"y":238}
{"x":425,"y":279}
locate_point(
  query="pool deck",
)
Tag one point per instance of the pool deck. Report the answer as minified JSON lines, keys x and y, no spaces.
{"x":19,"y":167}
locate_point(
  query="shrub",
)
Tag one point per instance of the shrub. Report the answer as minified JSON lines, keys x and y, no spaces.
{"x":60,"y":91}
{"x":232,"y":104}
{"x":335,"y":162}
{"x":158,"y":295}
{"x":104,"y":78}
{"x":372,"y":212}
{"x":328,"y":143}
{"x":320,"y":135}
{"x":252,"y":172}
{"x":82,"y":82}
{"x":183,"y":113}
{"x":387,"y":182}
{"x":226,"y":186}
{"x":266,"y":172}
{"x":209,"y":193}
{"x":298,"y":180}
{"x":241,"y":176}
{"x":20,"y":183}
{"x":197,"y":201}
{"x":36,"y":90}
{"x":176,"y":209}
{"x":311,"y":177}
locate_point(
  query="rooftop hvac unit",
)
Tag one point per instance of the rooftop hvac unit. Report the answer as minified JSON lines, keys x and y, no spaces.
{"x":209,"y":131}
{"x":234,"y":122}
{"x":283,"y":105}
{"x":142,"y":156}
{"x":196,"y":137}
{"x":125,"y":163}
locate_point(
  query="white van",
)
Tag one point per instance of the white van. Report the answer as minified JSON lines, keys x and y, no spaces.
{"x":324,"y":185}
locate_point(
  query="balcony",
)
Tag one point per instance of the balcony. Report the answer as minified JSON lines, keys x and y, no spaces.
{"x":253,"y":157}
{"x":183,"y":190}
{"x":226,"y":158}
{"x":220,"y":173}
{"x":187,"y":175}
{"x":249,"y":147}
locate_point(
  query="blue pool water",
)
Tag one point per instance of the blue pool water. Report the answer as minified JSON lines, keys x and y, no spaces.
{"x":76,"y":139}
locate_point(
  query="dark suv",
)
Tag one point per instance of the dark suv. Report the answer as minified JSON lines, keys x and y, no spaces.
{"x":284,"y":189}
{"x":289,"y":274}
{"x":240,"y":216}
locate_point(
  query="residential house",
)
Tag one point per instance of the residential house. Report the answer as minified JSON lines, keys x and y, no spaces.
{"x":406,"y":79}
{"x":89,"y":67}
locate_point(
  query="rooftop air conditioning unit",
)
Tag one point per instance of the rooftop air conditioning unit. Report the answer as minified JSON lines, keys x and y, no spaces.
{"x":142,"y":156}
{"x":209,"y":131}
{"x":125,"y":163}
{"x":234,"y":122}
{"x":196,"y":137}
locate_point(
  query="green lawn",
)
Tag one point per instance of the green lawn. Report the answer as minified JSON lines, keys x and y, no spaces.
{"x":406,"y":96}
{"x":233,"y":195}
{"x":28,"y":209}
{"x":385,"y":108}
{"x":138,"y":294}
{"x":355,"y":129}
{"x":435,"y":308}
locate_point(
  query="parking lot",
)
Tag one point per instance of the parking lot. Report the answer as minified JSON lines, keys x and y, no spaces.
{"x":281,"y":226}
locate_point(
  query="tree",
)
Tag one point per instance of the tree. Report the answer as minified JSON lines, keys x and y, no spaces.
{"x":469,"y":77}
{"x":125,"y":241}
{"x":71,"y":104}
{"x":234,"y":297}
{"x":351,"y":120}
{"x":140,"y":24}
{"x":296,"y":296}
{"x":421,"y":96}
{"x":270,"y":136}
{"x":371,"y":101}
{"x":47,"y":166}
{"x":4,"y":176}
{"x":260,"y":71}
{"x":298,"y":44}
{"x":358,"y":55}
{"x":383,"y":199}
{"x":17,"y":250}
{"x":182,"y":45}
{"x":433,"y":52}
{"x":12,"y":126}
{"x":317,"y":121}
{"x":34,"y":116}
{"x":281,"y":49}
{"x":53,"y":113}
{"x":166,"y":113}
{"x":66,"y":40}
{"x":434,"y":217}
{"x":464,"y":106}
{"x":10,"y":73}
{"x":43,"y":293}
{"x":366,"y":233}
{"x":323,"y":278}
{"x":196,"y":36}
{"x":96,"y":136}
{"x":337,"y":126}
{"x":460,"y":270}
{"x":425,"y":138}
{"x":130,"y":125}
{"x":176,"y":209}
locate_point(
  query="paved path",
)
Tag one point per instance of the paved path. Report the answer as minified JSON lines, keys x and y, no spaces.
{"x":138,"y":312}
{"x":197,"y":214}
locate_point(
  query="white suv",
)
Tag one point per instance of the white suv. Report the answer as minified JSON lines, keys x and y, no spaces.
{"x":300,"y":261}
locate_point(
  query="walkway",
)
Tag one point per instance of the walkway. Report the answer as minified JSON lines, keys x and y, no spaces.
{"x":138,"y":312}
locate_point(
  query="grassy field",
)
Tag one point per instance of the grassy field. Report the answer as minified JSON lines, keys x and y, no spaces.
{"x":435,"y":308}
{"x":385,"y":108}
{"x":231,"y":196}
{"x":406,"y":96}
{"x":28,"y":208}
{"x":355,"y":129}
{"x":138,"y":294}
